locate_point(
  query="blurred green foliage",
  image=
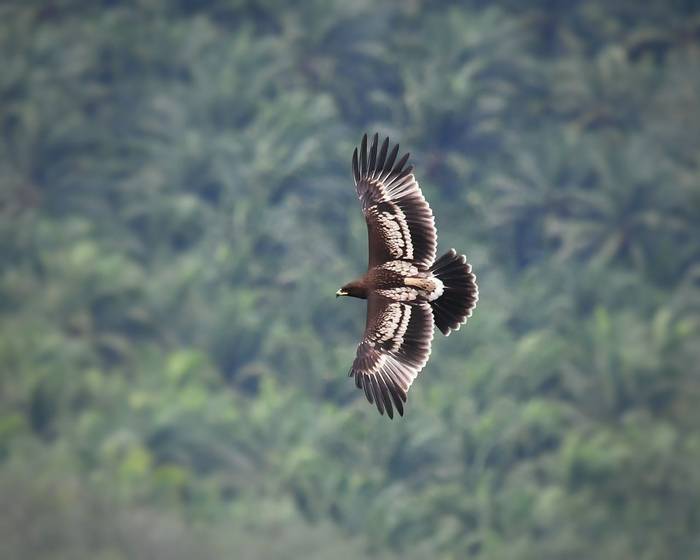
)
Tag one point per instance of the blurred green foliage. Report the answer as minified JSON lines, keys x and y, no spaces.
{"x":177,"y":211}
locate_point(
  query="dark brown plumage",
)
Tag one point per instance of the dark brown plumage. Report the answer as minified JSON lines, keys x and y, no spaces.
{"x":408,"y":292}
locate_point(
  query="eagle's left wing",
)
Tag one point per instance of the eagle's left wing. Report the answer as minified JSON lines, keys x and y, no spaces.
{"x":394,"y":348}
{"x":400,"y":224}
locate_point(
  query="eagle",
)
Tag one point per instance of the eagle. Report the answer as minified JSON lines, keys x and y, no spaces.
{"x":408,"y":291}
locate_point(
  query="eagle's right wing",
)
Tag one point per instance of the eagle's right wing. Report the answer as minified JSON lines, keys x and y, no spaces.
{"x":400,"y":223}
{"x":394,"y":348}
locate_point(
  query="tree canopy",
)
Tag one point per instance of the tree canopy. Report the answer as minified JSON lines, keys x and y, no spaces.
{"x":177,"y":212}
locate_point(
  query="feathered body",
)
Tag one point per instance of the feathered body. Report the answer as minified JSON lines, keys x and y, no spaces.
{"x":399,"y":281}
{"x":408,"y":291}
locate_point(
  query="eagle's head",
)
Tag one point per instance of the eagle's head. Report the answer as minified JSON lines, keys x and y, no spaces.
{"x":353,"y":289}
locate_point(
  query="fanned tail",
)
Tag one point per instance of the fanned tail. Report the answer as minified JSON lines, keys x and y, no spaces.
{"x":452,"y":309}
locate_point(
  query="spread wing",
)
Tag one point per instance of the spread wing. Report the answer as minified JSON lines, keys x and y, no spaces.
{"x":394,"y":348}
{"x":400,"y":224}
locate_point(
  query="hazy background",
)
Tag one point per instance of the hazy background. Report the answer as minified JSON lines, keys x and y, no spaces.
{"x":177,"y":212}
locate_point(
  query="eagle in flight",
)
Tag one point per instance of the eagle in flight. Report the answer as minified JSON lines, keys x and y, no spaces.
{"x":408,"y":291}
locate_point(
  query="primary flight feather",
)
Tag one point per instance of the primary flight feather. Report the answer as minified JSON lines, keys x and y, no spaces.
{"x":408,"y":292}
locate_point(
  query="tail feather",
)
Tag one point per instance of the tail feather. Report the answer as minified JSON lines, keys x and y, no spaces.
{"x":452,"y":309}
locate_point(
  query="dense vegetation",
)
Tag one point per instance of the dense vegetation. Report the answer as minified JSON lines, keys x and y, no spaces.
{"x":176,"y":213}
